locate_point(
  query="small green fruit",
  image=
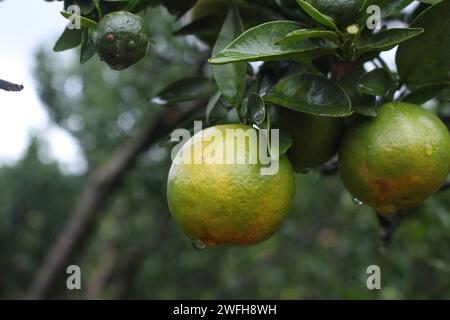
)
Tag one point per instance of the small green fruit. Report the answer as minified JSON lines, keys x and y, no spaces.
{"x":120,"y":39}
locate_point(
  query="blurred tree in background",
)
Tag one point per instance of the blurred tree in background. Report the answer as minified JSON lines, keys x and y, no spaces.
{"x":135,"y":250}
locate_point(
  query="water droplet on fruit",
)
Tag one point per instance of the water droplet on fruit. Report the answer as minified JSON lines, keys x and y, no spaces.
{"x":429,"y":149}
{"x":198,"y":245}
{"x":357,"y":202}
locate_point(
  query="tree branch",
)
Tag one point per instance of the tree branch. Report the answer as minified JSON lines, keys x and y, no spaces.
{"x":99,"y":187}
{"x":118,"y":271}
{"x":9,"y":86}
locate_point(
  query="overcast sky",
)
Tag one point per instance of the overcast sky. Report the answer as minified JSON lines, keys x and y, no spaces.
{"x":26,"y":25}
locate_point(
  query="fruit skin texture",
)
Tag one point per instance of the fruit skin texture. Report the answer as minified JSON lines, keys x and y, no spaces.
{"x":344,"y":12}
{"x":227,"y":204}
{"x":120,"y":39}
{"x":397,"y":159}
{"x":315,"y":139}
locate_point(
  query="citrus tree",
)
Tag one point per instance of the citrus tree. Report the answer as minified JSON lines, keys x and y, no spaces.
{"x":312,"y":69}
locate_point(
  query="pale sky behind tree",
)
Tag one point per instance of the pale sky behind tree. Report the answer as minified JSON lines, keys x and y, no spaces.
{"x":26,"y":26}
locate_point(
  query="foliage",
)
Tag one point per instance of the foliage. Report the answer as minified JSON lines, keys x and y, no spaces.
{"x":310,"y":63}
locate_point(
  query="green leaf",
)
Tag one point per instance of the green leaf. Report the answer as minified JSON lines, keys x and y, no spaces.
{"x":361,"y":103}
{"x":87,"y":49}
{"x":311,"y":94}
{"x":97,"y":6}
{"x":86,"y":6}
{"x":204,"y":26}
{"x":286,"y":142}
{"x":316,"y":15}
{"x":302,"y":34}
{"x":392,"y":7}
{"x":193,"y":88}
{"x":69,"y":39}
{"x":131,"y":5}
{"x":212,"y":104}
{"x":259,"y":44}
{"x":84,"y":22}
{"x":385,"y":40}
{"x":377,"y":82}
{"x":231,"y":78}
{"x":426,"y":59}
{"x":425,"y":93}
{"x":388,"y":7}
{"x":369,"y":110}
{"x":177,"y":7}
{"x":256,"y":109}
{"x":430,"y":1}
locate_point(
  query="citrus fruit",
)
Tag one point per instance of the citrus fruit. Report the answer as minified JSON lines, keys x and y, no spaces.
{"x":227,"y":203}
{"x":315,"y":139}
{"x":397,"y":159}
{"x":120,"y":39}
{"x":343,"y":12}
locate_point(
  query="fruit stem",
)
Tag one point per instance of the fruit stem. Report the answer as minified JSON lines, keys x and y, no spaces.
{"x":341,"y":69}
{"x":389,"y":225}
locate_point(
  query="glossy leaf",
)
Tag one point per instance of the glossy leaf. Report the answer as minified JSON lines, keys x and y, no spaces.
{"x":361,"y":103}
{"x":368,"y":110}
{"x":187,"y":89}
{"x":311,"y":94}
{"x":386,"y":39}
{"x":302,"y":34}
{"x":286,"y":142}
{"x":230,"y":78}
{"x":377,"y":82}
{"x":425,"y":93}
{"x":426,"y":59}
{"x":392,"y":7}
{"x":204,"y":26}
{"x":388,"y":7}
{"x":84,"y":22}
{"x":430,"y":1}
{"x":69,"y":39}
{"x":259,"y":44}
{"x":98,"y":6}
{"x":177,"y":7}
{"x":256,"y":109}
{"x":131,"y":5}
{"x":317,"y":15}
{"x":212,"y":104}
{"x":87,"y":50}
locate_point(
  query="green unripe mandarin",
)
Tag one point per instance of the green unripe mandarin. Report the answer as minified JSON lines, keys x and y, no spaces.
{"x":227,"y":204}
{"x":397,"y":159}
{"x":315,"y":139}
{"x":344,"y":12}
{"x":120,"y":39}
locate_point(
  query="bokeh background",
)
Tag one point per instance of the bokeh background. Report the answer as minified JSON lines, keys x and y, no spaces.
{"x":71,"y":119}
